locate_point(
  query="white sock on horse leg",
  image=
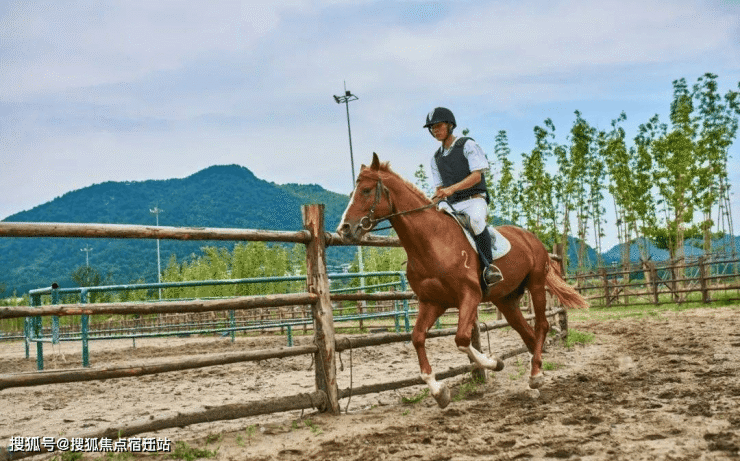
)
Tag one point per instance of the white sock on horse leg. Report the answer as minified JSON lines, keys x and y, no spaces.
{"x":432,"y":382}
{"x":478,"y":357}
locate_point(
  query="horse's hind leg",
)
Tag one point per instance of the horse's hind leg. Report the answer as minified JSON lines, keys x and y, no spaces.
{"x":541,"y":327}
{"x":509,"y":307}
{"x":428,"y":314}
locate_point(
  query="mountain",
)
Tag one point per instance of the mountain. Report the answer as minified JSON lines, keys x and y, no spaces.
{"x":218,"y":196}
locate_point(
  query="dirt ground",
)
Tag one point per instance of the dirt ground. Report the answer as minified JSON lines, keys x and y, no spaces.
{"x":665,"y":386}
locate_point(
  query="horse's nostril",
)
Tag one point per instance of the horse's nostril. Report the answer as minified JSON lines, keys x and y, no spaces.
{"x":344,"y":229}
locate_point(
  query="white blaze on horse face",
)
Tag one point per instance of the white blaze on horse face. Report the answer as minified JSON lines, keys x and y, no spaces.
{"x":434,"y":386}
{"x":344,"y":215}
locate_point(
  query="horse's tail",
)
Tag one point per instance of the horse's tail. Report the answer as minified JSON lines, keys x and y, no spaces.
{"x":564,"y":292}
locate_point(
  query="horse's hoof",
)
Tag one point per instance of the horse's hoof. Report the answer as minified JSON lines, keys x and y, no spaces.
{"x":444,"y":397}
{"x":499,"y":364}
{"x":535,"y":382}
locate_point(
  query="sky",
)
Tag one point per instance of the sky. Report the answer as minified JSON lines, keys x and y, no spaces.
{"x":135,"y":90}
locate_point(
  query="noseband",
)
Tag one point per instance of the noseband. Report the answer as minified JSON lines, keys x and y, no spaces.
{"x":369,"y":221}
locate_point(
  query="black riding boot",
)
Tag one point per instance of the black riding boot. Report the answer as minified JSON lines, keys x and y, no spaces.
{"x":491,"y":274}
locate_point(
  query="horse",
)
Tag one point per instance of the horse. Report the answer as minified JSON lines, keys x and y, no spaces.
{"x":443,"y":269}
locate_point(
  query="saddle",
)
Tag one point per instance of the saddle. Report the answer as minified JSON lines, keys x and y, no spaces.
{"x":500,"y":245}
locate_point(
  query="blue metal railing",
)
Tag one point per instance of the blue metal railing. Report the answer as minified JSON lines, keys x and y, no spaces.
{"x":34,"y":331}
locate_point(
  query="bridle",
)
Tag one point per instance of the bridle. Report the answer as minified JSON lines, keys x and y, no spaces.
{"x":369,"y":221}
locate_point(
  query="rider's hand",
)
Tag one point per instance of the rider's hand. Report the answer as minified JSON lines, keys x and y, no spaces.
{"x":441,"y":194}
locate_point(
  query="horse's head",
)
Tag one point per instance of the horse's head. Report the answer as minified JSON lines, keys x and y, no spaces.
{"x":369,"y":201}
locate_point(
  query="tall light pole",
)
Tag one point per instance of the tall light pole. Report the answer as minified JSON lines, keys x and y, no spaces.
{"x":87,"y":251}
{"x":346,"y":98}
{"x":155,"y":211}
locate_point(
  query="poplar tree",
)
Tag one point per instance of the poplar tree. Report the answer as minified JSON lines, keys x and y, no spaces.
{"x":422,"y":180}
{"x":536,"y":186}
{"x":571,"y":184}
{"x":675,"y":168}
{"x":717,"y":125}
{"x":596,"y":174}
{"x":502,"y":190}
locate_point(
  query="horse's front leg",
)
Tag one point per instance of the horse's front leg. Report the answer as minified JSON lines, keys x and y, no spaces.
{"x":466,"y":320}
{"x":428,"y":314}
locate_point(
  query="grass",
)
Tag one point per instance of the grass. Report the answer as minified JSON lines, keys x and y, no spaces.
{"x":187,"y":453}
{"x":314,"y":428}
{"x":520,"y":368}
{"x":578,"y":337}
{"x":416,"y":398}
{"x":120,"y":456}
{"x":69,"y":456}
{"x":470,"y":387}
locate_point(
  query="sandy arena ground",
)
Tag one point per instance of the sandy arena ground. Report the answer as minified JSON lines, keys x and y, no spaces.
{"x":661,"y":387}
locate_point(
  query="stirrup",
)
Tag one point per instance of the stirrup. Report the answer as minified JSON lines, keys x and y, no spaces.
{"x":492,"y":275}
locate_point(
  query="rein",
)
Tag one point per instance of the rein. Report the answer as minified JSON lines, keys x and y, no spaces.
{"x":369,"y":221}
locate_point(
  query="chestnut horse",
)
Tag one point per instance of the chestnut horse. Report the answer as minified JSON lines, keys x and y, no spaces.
{"x":443,"y":269}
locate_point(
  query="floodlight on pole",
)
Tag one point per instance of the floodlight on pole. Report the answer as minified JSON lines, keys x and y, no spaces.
{"x":87,"y":251}
{"x":345,"y":99}
{"x":155,"y":211}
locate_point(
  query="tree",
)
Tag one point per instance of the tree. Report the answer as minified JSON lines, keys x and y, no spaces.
{"x":571,"y":184}
{"x":675,"y":169}
{"x":537,"y":186}
{"x":503,"y":192}
{"x":86,"y":276}
{"x":717,"y":124}
{"x":422,"y":181}
{"x":597,"y":174}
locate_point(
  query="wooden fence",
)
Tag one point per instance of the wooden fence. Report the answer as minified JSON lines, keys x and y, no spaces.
{"x":660,"y":282}
{"x":324,"y":348}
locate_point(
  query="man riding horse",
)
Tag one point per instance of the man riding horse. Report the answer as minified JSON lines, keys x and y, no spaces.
{"x":457,"y":171}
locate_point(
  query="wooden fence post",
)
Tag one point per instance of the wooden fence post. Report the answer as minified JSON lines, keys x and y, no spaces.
{"x":654,"y":282}
{"x":703,"y":280}
{"x":607,"y":300}
{"x":317,"y":282}
{"x":674,"y":279}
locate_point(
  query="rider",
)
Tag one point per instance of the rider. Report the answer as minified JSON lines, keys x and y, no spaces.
{"x":457,"y":172}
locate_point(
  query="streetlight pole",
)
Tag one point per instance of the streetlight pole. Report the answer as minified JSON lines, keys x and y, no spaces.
{"x":155,"y":211}
{"x":346,"y":98}
{"x":87,"y":251}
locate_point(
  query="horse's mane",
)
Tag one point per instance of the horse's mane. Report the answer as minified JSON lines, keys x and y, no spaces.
{"x":385,"y":167}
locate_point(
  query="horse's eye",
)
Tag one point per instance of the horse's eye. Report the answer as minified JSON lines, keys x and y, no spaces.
{"x":366,"y":192}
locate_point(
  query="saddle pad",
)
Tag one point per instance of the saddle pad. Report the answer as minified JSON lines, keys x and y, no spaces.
{"x":500,"y":245}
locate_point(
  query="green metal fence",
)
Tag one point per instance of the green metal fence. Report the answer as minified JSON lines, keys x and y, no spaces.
{"x":35,"y":332}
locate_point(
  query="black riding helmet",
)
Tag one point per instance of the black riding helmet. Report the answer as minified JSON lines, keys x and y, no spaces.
{"x":440,"y":114}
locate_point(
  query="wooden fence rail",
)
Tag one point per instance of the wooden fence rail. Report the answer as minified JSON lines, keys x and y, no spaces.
{"x":324,"y":348}
{"x":611,"y":287}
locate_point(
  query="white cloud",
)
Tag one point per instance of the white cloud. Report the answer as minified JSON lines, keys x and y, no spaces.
{"x":173,"y":87}
{"x":52,"y":46}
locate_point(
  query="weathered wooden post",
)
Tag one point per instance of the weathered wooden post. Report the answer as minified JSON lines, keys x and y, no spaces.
{"x":607,"y":300}
{"x":703,"y":280}
{"x":674,"y":279}
{"x":654,"y":282}
{"x":317,"y":282}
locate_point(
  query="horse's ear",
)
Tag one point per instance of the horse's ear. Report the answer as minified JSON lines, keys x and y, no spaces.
{"x":376,"y":162}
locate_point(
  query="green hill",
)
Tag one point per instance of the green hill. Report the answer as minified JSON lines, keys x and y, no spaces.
{"x":218,"y":196}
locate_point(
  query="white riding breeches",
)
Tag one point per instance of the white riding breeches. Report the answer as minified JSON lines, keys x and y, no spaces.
{"x":476,"y":208}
